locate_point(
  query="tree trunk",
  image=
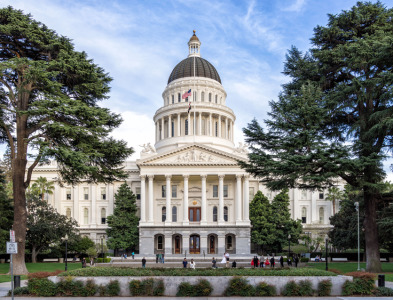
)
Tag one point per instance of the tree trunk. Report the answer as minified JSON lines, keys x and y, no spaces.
{"x":373,"y":263}
{"x":34,"y":254}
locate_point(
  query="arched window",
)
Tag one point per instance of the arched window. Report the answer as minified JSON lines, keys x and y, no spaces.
{"x":68,"y":213}
{"x":215,"y":214}
{"x":172,"y":129}
{"x":178,"y":97}
{"x":86,"y":216}
{"x":216,"y":130}
{"x":203,"y":96}
{"x":163,"y":214}
{"x":229,"y":242}
{"x":160,"y":242}
{"x":210,"y":97}
{"x":103,"y":215}
{"x":173,"y":99}
{"x":321,"y":215}
{"x":226,"y":213}
{"x":216,"y":98}
{"x":304,"y":215}
{"x":186,"y":127}
{"x":174,"y":214}
{"x":167,"y":100}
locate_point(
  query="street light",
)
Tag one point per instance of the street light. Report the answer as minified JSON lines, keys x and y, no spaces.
{"x":66,"y":241}
{"x":289,"y":242}
{"x":357,"y":209}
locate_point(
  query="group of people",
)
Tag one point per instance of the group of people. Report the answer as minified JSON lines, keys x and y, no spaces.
{"x":124,"y":255}
{"x":160,"y":258}
{"x":256,"y":262}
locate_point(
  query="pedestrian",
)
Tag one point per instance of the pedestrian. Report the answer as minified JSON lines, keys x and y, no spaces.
{"x":262,"y":262}
{"x":255,"y":262}
{"x":92,"y":261}
{"x":234,"y":264}
{"x":74,"y":259}
{"x":157,"y":256}
{"x":163,"y":259}
{"x":272,"y":262}
{"x":296,"y":260}
{"x":282,"y":261}
{"x":133,"y":255}
{"x":289,"y":261}
{"x":125,"y":255}
{"x":185,"y":263}
{"x":84,"y":262}
{"x":214,"y":263}
{"x":267,"y":263}
{"x":227,"y":259}
{"x":160,"y":257}
{"x":143,"y":262}
{"x":192,"y":264}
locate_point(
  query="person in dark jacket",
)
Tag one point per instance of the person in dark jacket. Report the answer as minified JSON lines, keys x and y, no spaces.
{"x":282,"y":261}
{"x":272,"y":262}
{"x":143,"y":262}
{"x":296,"y":259}
{"x":185,"y":263}
{"x":234,"y":264}
{"x":255,"y":261}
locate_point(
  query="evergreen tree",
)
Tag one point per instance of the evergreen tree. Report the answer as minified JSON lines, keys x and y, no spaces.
{"x":6,"y":214}
{"x":122,"y":229}
{"x":49,"y":95}
{"x":333,"y":119}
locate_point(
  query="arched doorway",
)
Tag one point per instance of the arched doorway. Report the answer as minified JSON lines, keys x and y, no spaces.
{"x":230,"y":243}
{"x":212,"y":243}
{"x":195,"y":245}
{"x":159,"y":243}
{"x":177,"y":243}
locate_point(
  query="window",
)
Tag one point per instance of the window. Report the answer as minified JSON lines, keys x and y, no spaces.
{"x":174,"y":214}
{"x":103,"y":215}
{"x":226,"y":213}
{"x":321,"y":215}
{"x":86,"y":193}
{"x":225,"y":191}
{"x":321,"y":196}
{"x":210,"y":97}
{"x":251,"y":193}
{"x":229,"y":243}
{"x":304,"y":194}
{"x":86,"y":216}
{"x":186,"y":127}
{"x":215,"y":214}
{"x":172,"y":129}
{"x":304,"y":215}
{"x":215,"y":191}
{"x":138,"y":193}
{"x":160,"y":242}
{"x":103,"y":193}
{"x":203,"y":97}
{"x":216,"y":131}
{"x":174,"y":191}
{"x":68,"y":193}
{"x":163,"y":214}
{"x":178,"y":97}
{"x":216,"y":99}
{"x":173,"y":99}
{"x":163,"y":191}
{"x":68,"y":213}
{"x":194,"y":214}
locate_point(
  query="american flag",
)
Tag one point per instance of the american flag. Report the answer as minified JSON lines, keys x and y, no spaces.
{"x":186,"y":94}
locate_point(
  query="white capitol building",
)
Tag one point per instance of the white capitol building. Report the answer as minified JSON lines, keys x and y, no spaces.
{"x":191,"y":194}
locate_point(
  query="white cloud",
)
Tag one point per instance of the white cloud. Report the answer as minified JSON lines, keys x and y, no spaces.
{"x":296,"y":6}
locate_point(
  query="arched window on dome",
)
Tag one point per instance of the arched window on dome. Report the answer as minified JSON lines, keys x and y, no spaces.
{"x":167,"y":101}
{"x":210,"y":97}
{"x":186,"y":127}
{"x":221,"y":100}
{"x":304,"y":215}
{"x":216,"y":130}
{"x":173,"y":99}
{"x":216,"y":99}
{"x":203,"y":96}
{"x":178,"y":97}
{"x":172,"y":129}
{"x":321,"y":215}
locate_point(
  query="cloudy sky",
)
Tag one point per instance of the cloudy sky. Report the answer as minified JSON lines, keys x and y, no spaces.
{"x":139,"y":43}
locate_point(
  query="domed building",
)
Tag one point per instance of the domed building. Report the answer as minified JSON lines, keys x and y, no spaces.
{"x":192,"y":196}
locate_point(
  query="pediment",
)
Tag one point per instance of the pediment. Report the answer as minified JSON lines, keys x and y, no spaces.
{"x":192,"y":155}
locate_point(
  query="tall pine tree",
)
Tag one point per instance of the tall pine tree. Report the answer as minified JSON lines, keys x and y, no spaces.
{"x":122,"y":229}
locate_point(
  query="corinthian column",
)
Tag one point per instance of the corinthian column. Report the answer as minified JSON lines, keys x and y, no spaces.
{"x":246,"y":198}
{"x":150,"y":217}
{"x":238,"y":198}
{"x":185,"y":201}
{"x":204,"y":216}
{"x":143,"y":198}
{"x":168,"y":220}
{"x":221,"y":199}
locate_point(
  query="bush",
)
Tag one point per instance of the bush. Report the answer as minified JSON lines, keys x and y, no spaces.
{"x":305,"y":288}
{"x":23,"y":290}
{"x":185,"y":289}
{"x":105,"y":260}
{"x":147,"y":287}
{"x":239,"y":287}
{"x":135,"y":288}
{"x":90,"y":288}
{"x":101,"y":290}
{"x":291,"y":289}
{"x":203,"y":288}
{"x":304,"y":259}
{"x":264,"y":289}
{"x":325,"y":288}
{"x":41,"y":287}
{"x":383,"y":292}
{"x":113,"y":288}
{"x":335,"y":271}
{"x":159,"y":288}
{"x":363,"y":284}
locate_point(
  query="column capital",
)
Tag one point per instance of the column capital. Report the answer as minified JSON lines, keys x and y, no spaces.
{"x":186,"y":176}
{"x":143,"y":177}
{"x":239,"y":176}
{"x":221,"y":176}
{"x":246,"y":176}
{"x":168,"y":176}
{"x":150,"y":177}
{"x":203,"y":176}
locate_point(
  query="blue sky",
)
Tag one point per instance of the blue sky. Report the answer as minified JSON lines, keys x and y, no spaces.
{"x":139,"y":43}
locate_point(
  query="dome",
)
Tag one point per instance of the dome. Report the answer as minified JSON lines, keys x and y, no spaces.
{"x":185,"y":68}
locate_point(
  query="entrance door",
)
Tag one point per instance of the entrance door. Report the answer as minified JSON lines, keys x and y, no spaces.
{"x":212,"y":245}
{"x":195,"y":244}
{"x":194,"y":214}
{"x":177,"y":244}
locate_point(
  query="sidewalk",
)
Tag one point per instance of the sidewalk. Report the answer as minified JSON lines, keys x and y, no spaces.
{"x":6,"y":286}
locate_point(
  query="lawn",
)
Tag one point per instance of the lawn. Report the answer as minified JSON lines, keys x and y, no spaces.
{"x":345,"y":267}
{"x":37,"y":267}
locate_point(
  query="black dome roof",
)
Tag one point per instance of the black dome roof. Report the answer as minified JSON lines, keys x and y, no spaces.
{"x":185,"y":68}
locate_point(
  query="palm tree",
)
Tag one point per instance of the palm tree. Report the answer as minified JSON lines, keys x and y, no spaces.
{"x":42,"y":186}
{"x":334,"y":194}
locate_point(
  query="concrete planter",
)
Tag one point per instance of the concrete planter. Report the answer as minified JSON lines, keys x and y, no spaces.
{"x":219,"y":283}
{"x":2,"y":260}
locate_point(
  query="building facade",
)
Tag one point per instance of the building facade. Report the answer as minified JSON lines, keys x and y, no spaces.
{"x":191,"y":194}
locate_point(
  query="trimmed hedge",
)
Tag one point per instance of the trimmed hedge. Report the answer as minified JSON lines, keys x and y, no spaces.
{"x":147,"y":287}
{"x":363,"y":284}
{"x":202,"y":289}
{"x":302,"y":288}
{"x":325,"y":287}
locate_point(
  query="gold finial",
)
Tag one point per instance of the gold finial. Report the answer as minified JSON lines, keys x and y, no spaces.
{"x":194,"y":32}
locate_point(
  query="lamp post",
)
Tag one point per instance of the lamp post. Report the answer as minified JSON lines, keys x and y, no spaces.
{"x":66,"y":243}
{"x":289,"y":244}
{"x":357,"y":209}
{"x":326,"y":258}
{"x":102,"y":247}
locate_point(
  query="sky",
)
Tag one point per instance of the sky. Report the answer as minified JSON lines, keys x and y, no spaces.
{"x":139,"y":42}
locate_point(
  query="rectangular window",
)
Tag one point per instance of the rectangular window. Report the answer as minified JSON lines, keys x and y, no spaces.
{"x":178,"y":97}
{"x":215,"y":191}
{"x":103,"y":220}
{"x":251,"y":193}
{"x":68,"y":193}
{"x":173,"y":99}
{"x":138,"y":193}
{"x":103,"y":193}
{"x":174,"y":214}
{"x":225,"y":191}
{"x":321,"y":196}
{"x":304,"y":220}
{"x":174,"y":191}
{"x":86,"y":193}
{"x":172,"y":129}
{"x":194,"y":214}
{"x":186,"y":127}
{"x":163,"y":191}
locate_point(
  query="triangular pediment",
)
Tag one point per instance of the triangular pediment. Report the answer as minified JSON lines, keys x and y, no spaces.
{"x":191,"y":155}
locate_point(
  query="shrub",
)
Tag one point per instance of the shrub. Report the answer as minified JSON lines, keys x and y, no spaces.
{"x":41,"y":287}
{"x":239,"y":287}
{"x":135,"y":288}
{"x":90,"y":288}
{"x":101,"y":290}
{"x":383,"y":291}
{"x":305,"y":288}
{"x":23,"y":290}
{"x":43,"y":274}
{"x":325,"y":288}
{"x":264,"y":289}
{"x":203,"y":288}
{"x":185,"y":289}
{"x":304,"y":259}
{"x":105,"y":260}
{"x":66,"y":287}
{"x":113,"y":288}
{"x":147,"y":286}
{"x":363,"y":284}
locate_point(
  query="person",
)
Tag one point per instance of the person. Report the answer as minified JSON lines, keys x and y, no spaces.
{"x":282,"y":261}
{"x":234,"y":264}
{"x":255,"y":262}
{"x":214,"y":263}
{"x":74,"y":258}
{"x":162,"y":258}
{"x":92,"y":261}
{"x":267,"y":263}
{"x":185,"y":263}
{"x":272,"y":262}
{"x":296,"y":260}
{"x":317,"y":258}
{"x":224,"y":260}
{"x":143,"y":262}
{"x":289,"y":261}
{"x":84,"y":262}
{"x":192,"y":264}
{"x":125,"y":255}
{"x":262,"y":262}
{"x":157,"y":255}
{"x":227,"y":259}
{"x":133,"y":255}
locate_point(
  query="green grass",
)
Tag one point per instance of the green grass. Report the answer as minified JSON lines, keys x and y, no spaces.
{"x":37,"y":267}
{"x":346,"y":267}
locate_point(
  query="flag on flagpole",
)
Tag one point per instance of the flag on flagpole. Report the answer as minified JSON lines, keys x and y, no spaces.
{"x":189,"y":107}
{"x":186,"y":94}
